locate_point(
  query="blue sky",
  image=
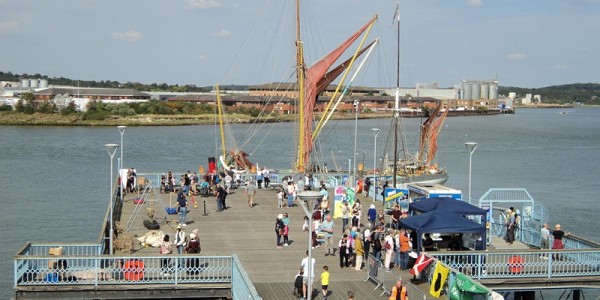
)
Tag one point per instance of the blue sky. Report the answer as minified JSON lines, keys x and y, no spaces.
{"x":525,"y":43}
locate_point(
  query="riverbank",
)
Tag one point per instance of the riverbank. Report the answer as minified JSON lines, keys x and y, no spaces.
{"x":12,"y":118}
{"x":40,"y":119}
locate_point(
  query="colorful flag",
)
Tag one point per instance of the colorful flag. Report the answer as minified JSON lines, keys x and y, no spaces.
{"x":439,"y":279}
{"x":422,"y":262}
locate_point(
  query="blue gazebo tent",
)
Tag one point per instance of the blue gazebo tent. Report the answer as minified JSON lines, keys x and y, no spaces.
{"x":447,"y":205}
{"x":439,"y":221}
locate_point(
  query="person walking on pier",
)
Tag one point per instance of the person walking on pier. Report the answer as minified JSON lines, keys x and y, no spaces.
{"x":510,"y":225}
{"x":558,"y":235}
{"x":325,"y":281}
{"x":279,"y":227}
{"x":182,"y":203}
{"x":166,"y":248}
{"x":286,"y":229}
{"x":259,"y":178}
{"x":221,"y":194}
{"x":345,"y":215}
{"x":388,"y":245}
{"x":266,"y":177}
{"x":327,"y":228}
{"x":545,"y":239}
{"x":305,"y":280}
{"x":372,"y":215}
{"x":180,"y":240}
{"x":359,"y":251}
{"x":344,"y":247}
{"x":290,"y":193}
{"x":250,"y":191}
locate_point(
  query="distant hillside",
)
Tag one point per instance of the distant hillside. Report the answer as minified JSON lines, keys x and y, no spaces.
{"x":154,"y":87}
{"x":585,"y":93}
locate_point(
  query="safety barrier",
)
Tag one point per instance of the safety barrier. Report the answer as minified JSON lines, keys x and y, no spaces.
{"x":385,"y":280}
{"x":31,"y":268}
{"x":527,"y":263}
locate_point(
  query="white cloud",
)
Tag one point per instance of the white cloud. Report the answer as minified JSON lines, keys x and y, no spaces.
{"x":204,"y":4}
{"x":559,"y":67}
{"x":516,"y":56}
{"x":9,"y":27}
{"x":127,"y":36}
{"x":475,"y":2}
{"x":202,"y":56}
{"x":221,"y":33}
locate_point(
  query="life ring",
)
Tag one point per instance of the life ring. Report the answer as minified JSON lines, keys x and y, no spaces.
{"x":359,"y":186}
{"x":134,"y":270}
{"x":138,"y":200}
{"x":515,"y":264}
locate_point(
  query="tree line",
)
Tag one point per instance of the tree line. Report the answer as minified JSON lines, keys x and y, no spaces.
{"x":576,"y":93}
{"x":583,"y":93}
{"x":154,"y":87}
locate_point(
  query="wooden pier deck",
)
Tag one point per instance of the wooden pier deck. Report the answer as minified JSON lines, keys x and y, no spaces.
{"x":249,"y":233}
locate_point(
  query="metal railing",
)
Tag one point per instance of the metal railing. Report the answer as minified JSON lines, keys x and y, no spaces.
{"x":82,"y":265}
{"x":241,"y":285}
{"x":528,"y":263}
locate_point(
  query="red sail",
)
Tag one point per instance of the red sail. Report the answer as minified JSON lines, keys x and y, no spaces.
{"x":433,"y":135}
{"x":313,"y":76}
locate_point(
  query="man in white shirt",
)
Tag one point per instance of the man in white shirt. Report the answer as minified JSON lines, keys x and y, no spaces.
{"x":305,"y":282}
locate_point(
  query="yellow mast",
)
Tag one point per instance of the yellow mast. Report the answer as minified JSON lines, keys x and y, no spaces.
{"x":219,"y":104}
{"x":300,"y":77}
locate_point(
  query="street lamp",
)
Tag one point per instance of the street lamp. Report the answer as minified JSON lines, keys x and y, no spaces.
{"x":375,"y":134}
{"x":307,"y":199}
{"x":471,"y":146}
{"x":355,"y":132}
{"x":121,"y":131}
{"x":111,"y":148}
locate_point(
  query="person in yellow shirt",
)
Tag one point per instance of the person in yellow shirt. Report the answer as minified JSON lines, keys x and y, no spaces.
{"x":325,"y":281}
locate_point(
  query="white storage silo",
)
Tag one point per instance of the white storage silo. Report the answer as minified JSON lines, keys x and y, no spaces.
{"x":485,"y":91}
{"x":465,"y":91}
{"x":494,"y":90}
{"x":33,"y":83}
{"x":476,"y":90}
{"x":24,"y":83}
{"x":43,"y":83}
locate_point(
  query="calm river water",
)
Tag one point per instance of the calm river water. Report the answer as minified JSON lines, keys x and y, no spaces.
{"x":55,"y":180}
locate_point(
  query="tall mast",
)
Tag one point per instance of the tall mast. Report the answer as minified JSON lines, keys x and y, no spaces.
{"x":220,"y":108}
{"x":397,"y":100}
{"x":300,"y":80}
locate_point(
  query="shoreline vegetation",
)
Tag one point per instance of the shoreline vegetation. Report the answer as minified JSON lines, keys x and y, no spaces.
{"x":41,"y":119}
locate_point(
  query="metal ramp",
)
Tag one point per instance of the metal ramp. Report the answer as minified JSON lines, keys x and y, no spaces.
{"x":533,"y":214}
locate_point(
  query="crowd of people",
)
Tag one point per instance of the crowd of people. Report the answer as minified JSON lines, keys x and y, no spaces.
{"x":360,"y":234}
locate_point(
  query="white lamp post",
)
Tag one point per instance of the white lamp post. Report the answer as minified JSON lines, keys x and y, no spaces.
{"x":471,"y":146}
{"x":121,"y":131}
{"x":375,"y":134}
{"x":307,"y":199}
{"x":355,"y":132}
{"x":111,"y":148}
